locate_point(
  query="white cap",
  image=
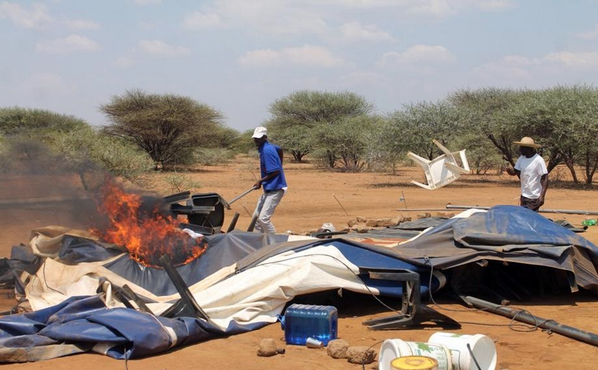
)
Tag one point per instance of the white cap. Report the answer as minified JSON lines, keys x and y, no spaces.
{"x":259,"y":132}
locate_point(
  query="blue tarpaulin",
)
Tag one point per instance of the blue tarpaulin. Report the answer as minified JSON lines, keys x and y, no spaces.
{"x":79,"y":324}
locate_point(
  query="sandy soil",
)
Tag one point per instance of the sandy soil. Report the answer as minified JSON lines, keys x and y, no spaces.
{"x":308,"y":204}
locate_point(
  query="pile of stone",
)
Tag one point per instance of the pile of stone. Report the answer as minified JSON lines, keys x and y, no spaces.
{"x":363,"y":225}
{"x":337,"y":349}
{"x":340,"y":349}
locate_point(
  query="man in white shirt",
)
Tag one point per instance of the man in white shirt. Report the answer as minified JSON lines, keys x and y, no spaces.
{"x":531,"y":170}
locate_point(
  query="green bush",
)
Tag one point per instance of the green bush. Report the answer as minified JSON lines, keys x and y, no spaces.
{"x":85,"y":151}
{"x":213,"y":156}
{"x":178,"y":183}
{"x":35,"y":123}
{"x":167,"y":127}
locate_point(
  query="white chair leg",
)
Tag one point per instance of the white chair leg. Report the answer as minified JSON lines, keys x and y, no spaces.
{"x":456,"y":169}
{"x":422,"y":185}
{"x":464,"y":160}
{"x":423,"y":162}
{"x":442,"y":147}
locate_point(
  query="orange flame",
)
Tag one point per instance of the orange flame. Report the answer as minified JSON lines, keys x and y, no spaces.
{"x":147,"y":238}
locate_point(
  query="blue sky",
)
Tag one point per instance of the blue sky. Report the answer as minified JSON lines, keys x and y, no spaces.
{"x":239,"y":56}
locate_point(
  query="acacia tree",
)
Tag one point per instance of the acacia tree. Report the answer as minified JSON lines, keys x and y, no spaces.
{"x":414,"y":127}
{"x":17,"y":121}
{"x":349,"y":140}
{"x":310,"y":108}
{"x":563,"y":119}
{"x":574,"y":118}
{"x":315,"y":111}
{"x":167,"y":127}
{"x":44,"y":140}
{"x":27,"y":131}
{"x":487,"y":112}
{"x":296,"y":140}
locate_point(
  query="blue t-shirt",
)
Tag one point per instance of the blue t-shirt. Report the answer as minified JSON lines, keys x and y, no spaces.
{"x":270,"y":162}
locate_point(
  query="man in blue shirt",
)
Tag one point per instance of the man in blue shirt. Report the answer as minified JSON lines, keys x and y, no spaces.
{"x":272,"y":180}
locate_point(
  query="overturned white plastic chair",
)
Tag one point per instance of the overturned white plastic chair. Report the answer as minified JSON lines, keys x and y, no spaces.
{"x":441,"y":170}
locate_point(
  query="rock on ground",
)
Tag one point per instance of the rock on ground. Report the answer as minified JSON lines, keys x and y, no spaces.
{"x":337,"y":348}
{"x":361,"y":355}
{"x":267,"y":348}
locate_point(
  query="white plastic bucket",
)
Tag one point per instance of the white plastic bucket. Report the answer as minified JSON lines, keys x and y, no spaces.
{"x":414,"y":363}
{"x":393,"y":348}
{"x":482,"y":347}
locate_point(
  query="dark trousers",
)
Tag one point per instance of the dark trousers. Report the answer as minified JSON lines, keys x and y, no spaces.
{"x":533,"y":204}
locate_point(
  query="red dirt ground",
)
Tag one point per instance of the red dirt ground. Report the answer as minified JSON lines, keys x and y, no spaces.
{"x":307,"y":205}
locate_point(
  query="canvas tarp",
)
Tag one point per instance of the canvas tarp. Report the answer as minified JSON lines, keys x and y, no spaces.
{"x":250,"y":292}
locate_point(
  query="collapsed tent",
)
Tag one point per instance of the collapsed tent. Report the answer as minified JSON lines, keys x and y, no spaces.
{"x":244,"y":280}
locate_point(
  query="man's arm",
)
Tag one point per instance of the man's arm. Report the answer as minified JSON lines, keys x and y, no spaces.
{"x":269,"y":176}
{"x":544,"y":183}
{"x":513,"y":171}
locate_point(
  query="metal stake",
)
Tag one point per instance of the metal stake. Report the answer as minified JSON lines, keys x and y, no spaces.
{"x":521,"y":315}
{"x":339,"y":203}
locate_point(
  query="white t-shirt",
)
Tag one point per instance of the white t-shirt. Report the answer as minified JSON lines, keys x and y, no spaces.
{"x":532,"y":169}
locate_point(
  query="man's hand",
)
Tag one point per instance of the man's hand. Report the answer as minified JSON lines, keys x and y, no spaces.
{"x":258,"y":184}
{"x":511,"y":171}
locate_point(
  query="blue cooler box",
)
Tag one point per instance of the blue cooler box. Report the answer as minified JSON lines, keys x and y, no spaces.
{"x":302,"y":321}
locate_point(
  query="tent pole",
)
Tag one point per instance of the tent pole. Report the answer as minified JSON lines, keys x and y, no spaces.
{"x":543,"y":210}
{"x":422,"y":209}
{"x":523,"y":316}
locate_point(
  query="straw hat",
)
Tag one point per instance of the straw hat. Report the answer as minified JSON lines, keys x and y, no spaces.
{"x":527,"y":141}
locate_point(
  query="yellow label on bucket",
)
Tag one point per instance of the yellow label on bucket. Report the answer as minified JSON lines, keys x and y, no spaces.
{"x":414,"y":363}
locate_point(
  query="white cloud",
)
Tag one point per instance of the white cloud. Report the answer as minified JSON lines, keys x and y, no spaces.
{"x":315,"y":17}
{"x":439,"y":8}
{"x":147,"y":2}
{"x":576,"y":60}
{"x":272,"y":17}
{"x":359,"y":78}
{"x":69,"y":44}
{"x":494,"y":5}
{"x":515,"y":70}
{"x":43,"y":85}
{"x":357,"y":31}
{"x":307,"y":56}
{"x":36,"y":17}
{"x":158,"y":47}
{"x":503,"y":73}
{"x":418,"y":54}
{"x":262,"y":58}
{"x":199,"y":20}
{"x":432,"y":7}
{"x":589,"y":35}
{"x":123,"y":62}
{"x":82,"y":24}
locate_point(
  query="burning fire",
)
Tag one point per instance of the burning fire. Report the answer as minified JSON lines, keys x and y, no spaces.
{"x":148,"y":236}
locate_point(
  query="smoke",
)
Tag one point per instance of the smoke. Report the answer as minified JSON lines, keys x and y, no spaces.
{"x":39,"y":188}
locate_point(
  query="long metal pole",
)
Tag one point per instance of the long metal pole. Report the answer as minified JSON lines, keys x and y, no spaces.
{"x":340,"y":204}
{"x":242,"y":195}
{"x":422,"y":209}
{"x":543,"y":210}
{"x":528,"y":318}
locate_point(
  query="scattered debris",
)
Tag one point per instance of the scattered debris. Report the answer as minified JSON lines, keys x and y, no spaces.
{"x":444,"y":215}
{"x":403,"y":218}
{"x":352,"y":222}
